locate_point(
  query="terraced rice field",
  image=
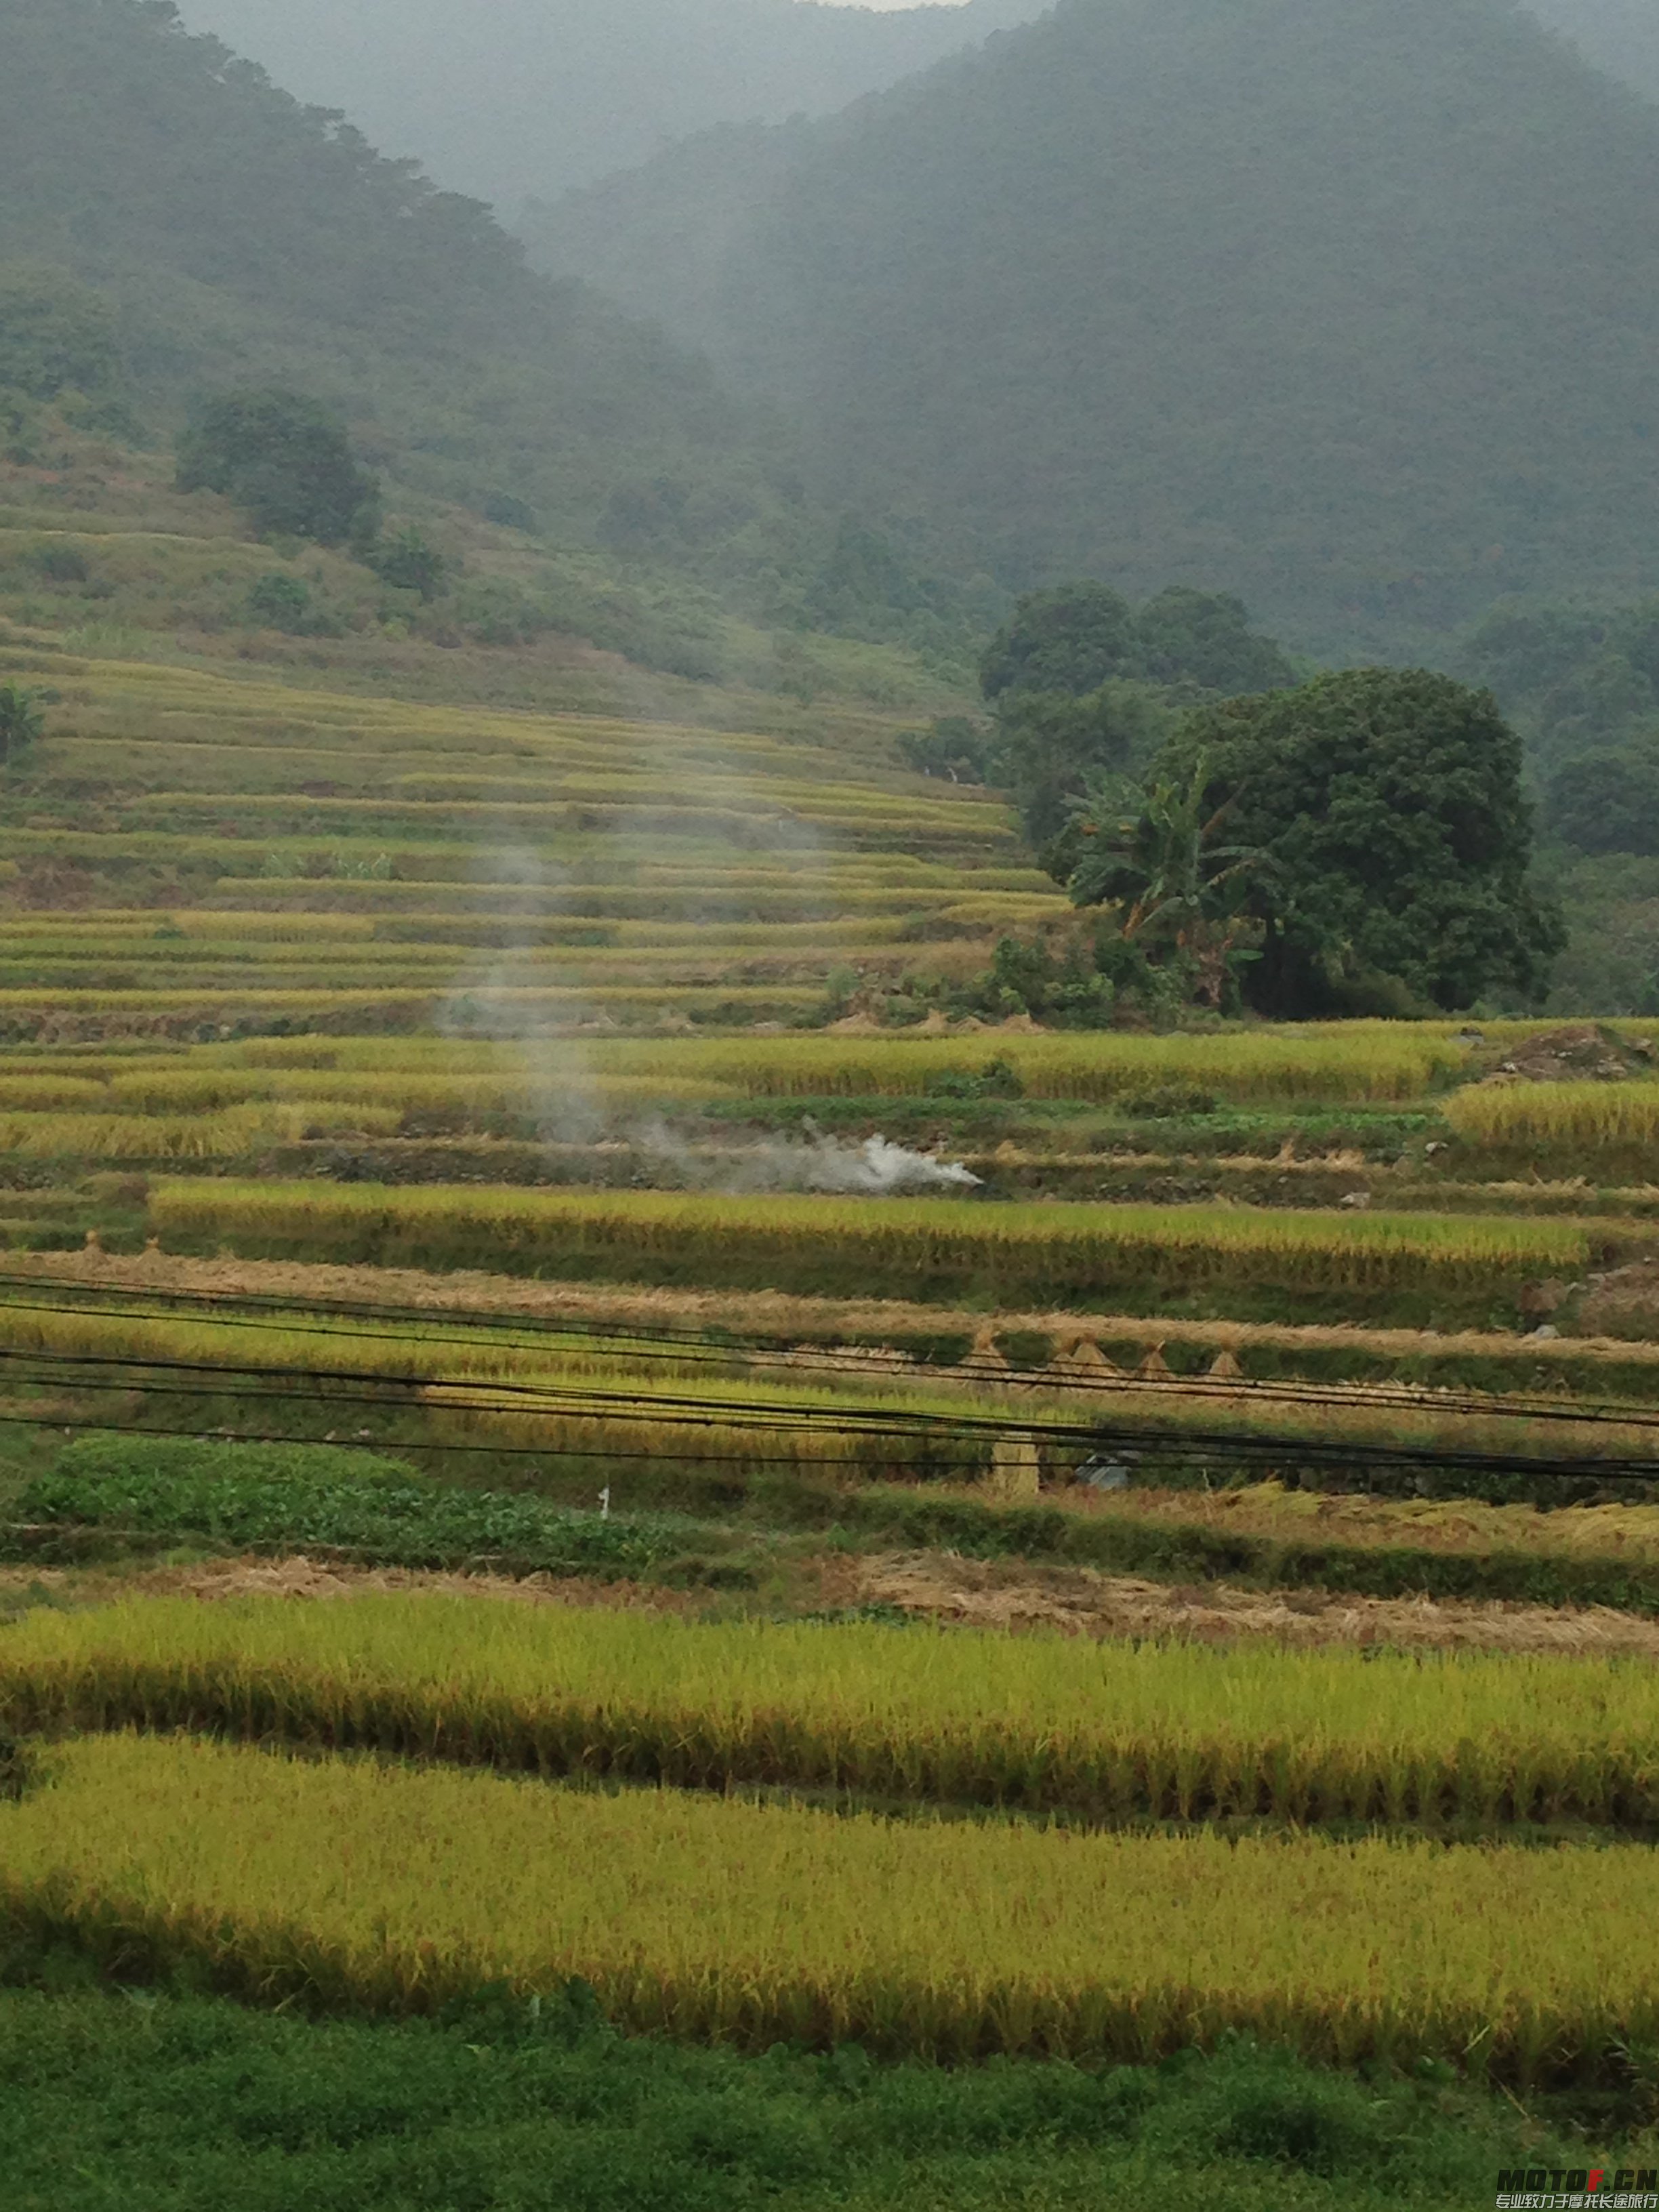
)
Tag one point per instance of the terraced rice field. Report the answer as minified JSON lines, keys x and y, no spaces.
{"x":956,"y":1943}
{"x":479,"y":1085}
{"x":195,"y":852}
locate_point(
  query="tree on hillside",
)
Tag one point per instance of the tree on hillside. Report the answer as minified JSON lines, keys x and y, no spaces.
{"x":1050,"y":745}
{"x":285,"y":459}
{"x":1205,"y":638}
{"x":1608,"y":801}
{"x":1070,"y":640}
{"x":1084,"y":686}
{"x":56,"y":336}
{"x":1387,"y":806}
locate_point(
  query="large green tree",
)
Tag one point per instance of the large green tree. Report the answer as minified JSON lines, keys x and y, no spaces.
{"x":283,"y":458}
{"x":1084,"y":686}
{"x":1395,"y":841}
{"x":55,"y":334}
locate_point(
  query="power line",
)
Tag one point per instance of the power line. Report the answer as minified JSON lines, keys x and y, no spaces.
{"x":230,"y":1312}
{"x":672,"y":1413}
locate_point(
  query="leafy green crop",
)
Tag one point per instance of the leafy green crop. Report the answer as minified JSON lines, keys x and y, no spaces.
{"x":333,"y":1499}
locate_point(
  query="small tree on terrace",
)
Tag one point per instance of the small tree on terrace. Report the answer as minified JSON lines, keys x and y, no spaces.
{"x":22,"y":722}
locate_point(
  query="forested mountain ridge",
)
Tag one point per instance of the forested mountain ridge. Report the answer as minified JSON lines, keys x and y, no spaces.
{"x":1350,"y":306}
{"x":528,"y":98}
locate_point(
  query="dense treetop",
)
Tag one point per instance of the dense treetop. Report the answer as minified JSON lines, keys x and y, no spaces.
{"x":1351,"y":306}
{"x":1392,"y":843}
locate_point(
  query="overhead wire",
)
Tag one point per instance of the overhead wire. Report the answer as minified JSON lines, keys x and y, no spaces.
{"x":140,"y":1377}
{"x":232,"y":1311}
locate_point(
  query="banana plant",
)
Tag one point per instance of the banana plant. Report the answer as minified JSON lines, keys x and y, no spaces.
{"x":1155,"y":852}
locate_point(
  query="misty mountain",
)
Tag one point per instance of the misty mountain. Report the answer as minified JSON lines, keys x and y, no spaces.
{"x":244,"y":240}
{"x":524,"y":99}
{"x":1620,"y":36}
{"x":1349,"y":305}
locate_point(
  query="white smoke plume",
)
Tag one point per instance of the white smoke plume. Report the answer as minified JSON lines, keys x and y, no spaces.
{"x":494,"y":997}
{"x":877,"y":1167}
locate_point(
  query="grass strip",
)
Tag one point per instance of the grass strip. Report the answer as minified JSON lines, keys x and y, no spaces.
{"x":187,"y":2105}
{"x":1130,"y":1542}
{"x":1103,"y":1732}
{"x":346,"y":1883}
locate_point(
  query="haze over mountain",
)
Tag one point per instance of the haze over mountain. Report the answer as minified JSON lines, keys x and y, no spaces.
{"x":239,"y":241}
{"x":522,"y":98}
{"x":1351,"y":306}
{"x":1620,"y":36}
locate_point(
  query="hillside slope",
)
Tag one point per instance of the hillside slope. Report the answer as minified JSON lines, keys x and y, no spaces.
{"x":1347,"y":305}
{"x":242,"y":239}
{"x":528,"y":98}
{"x":1620,"y":36}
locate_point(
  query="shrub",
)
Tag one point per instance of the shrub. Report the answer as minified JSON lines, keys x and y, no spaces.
{"x":60,"y":563}
{"x":281,"y":602}
{"x":409,"y":563}
{"x":22,"y":722}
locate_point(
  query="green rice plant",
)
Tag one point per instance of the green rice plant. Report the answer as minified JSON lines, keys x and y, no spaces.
{"x":936,"y":1249}
{"x":47,"y":1094}
{"x":356,"y":1884}
{"x":1100,"y":1731}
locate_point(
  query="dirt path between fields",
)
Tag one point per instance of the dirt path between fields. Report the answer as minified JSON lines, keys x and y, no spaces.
{"x":1006,"y":1596}
{"x":773,"y":1313}
{"x":1003,"y":1597}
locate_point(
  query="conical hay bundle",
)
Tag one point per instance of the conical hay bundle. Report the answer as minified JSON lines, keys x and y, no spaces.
{"x":1226,"y":1368}
{"x":987,"y":1357}
{"x":1154,"y":1368}
{"x":1016,"y":1476}
{"x":1083,"y":1358}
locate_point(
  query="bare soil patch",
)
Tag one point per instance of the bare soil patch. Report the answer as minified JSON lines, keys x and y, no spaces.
{"x":773,"y":1313}
{"x":1009,"y":1597}
{"x":981,"y":1593}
